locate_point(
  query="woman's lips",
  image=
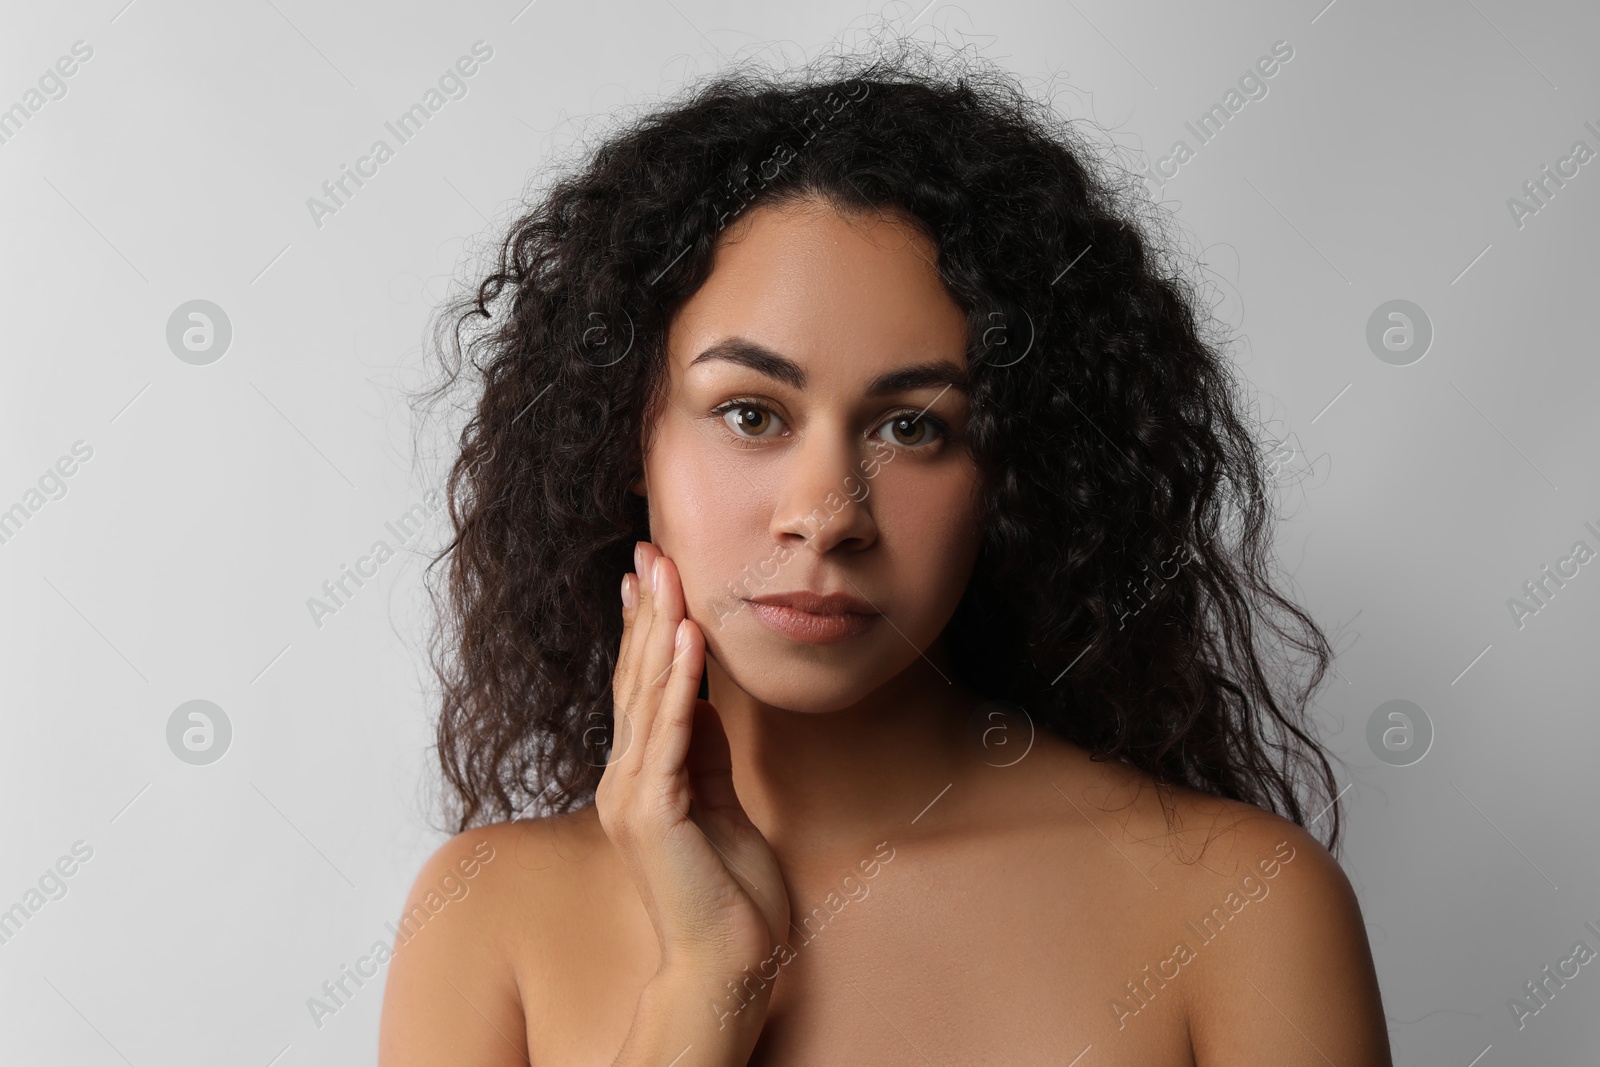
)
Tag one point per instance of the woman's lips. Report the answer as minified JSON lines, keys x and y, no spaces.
{"x":811,"y":627}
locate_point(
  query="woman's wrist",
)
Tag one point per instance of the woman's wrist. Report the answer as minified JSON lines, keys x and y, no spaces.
{"x":729,"y":997}
{"x":694,"y":1012}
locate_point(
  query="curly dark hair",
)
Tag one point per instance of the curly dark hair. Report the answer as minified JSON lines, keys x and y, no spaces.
{"x":1105,"y":422}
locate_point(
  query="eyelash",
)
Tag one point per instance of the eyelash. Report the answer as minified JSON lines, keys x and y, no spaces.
{"x":720,"y":413}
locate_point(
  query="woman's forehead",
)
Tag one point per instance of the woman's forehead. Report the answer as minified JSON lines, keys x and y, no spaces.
{"x":835,"y":296}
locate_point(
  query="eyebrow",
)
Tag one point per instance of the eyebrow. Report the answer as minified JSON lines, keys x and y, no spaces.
{"x":763,"y":360}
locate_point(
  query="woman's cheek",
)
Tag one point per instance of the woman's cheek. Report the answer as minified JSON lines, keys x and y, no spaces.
{"x":706,"y":517}
{"x":932,"y":519}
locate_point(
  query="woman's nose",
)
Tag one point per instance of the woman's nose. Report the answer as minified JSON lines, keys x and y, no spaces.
{"x":823,"y":502}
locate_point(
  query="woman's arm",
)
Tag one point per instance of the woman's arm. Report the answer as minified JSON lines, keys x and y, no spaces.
{"x":451,"y":994}
{"x":1289,"y":977}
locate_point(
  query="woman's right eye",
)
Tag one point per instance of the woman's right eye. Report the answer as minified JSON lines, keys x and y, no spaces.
{"x":750,"y":420}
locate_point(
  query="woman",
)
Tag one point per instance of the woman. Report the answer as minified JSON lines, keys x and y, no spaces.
{"x":930,"y":725}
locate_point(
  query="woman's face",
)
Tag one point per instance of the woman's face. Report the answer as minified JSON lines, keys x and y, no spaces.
{"x":787,"y":457}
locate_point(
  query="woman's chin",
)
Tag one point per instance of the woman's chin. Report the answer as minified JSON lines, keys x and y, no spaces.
{"x":793,"y":684}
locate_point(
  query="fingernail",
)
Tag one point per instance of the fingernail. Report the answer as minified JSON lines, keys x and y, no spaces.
{"x":655,"y":575}
{"x":638,"y":557}
{"x":683,"y":629}
{"x":628,"y":597}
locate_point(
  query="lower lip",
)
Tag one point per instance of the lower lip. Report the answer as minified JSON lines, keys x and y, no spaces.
{"x":809,"y":627}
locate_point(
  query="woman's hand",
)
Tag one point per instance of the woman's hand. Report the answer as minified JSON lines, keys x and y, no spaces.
{"x":708,"y":879}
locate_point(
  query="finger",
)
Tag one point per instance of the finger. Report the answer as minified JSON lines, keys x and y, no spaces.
{"x":653,"y":660}
{"x":645,"y":555}
{"x":674,"y":721}
{"x":621,"y":724}
{"x":666,"y":609}
{"x":628,"y":665}
{"x":630,"y":613}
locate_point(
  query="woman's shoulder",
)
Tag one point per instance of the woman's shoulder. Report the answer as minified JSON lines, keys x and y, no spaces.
{"x":1292,"y":976}
{"x":1195,"y":846}
{"x":509,"y":859}
{"x":482,"y":902}
{"x":1262,"y":915}
{"x":1189,"y":839}
{"x":531,"y":872}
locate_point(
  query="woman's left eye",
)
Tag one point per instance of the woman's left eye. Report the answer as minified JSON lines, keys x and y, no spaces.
{"x":910,"y":429}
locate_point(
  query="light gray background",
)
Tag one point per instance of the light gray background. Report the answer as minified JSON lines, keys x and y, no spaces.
{"x":218,"y":498}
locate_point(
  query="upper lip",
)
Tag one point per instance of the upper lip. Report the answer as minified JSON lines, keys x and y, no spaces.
{"x":818,"y":603}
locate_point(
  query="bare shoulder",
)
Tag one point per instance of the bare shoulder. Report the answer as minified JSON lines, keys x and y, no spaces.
{"x":477,"y":906}
{"x":1262,"y":935}
{"x":1182,"y":838}
{"x":1273,"y":933}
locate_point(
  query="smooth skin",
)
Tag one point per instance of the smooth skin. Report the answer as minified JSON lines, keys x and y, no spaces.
{"x":945,"y":883}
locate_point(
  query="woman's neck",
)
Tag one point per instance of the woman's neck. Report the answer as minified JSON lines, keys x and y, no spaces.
{"x":821,"y":784}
